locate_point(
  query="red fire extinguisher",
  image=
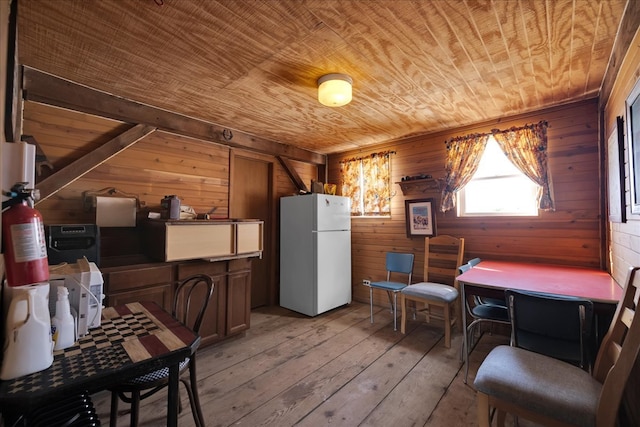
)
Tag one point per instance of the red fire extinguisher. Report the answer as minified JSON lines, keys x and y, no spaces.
{"x":24,"y":243}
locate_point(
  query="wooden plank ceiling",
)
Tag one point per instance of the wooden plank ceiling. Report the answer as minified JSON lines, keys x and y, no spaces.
{"x":418,"y":66}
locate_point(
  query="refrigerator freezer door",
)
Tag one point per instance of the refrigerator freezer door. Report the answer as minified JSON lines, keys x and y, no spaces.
{"x":333,"y":269}
{"x":332,"y":212}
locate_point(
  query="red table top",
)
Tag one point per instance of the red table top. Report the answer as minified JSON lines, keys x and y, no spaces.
{"x":592,"y":284}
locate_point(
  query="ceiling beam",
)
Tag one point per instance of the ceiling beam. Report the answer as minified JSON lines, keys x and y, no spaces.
{"x":626,"y":32}
{"x":91,"y":160}
{"x":48,"y":89}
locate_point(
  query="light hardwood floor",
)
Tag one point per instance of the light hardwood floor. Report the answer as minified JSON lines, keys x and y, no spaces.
{"x":334,"y":369}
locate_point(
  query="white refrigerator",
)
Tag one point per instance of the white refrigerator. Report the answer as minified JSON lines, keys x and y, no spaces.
{"x":315,"y":253}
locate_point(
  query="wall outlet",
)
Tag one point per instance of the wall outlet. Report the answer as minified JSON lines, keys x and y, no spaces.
{"x":366,"y":282}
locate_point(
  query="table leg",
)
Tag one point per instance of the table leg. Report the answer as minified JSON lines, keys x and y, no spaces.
{"x":172,"y":396}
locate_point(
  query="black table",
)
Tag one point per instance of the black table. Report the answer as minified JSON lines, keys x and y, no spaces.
{"x":132,"y":340}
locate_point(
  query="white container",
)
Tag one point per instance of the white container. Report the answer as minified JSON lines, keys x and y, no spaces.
{"x":64,"y":330}
{"x":28,"y":347}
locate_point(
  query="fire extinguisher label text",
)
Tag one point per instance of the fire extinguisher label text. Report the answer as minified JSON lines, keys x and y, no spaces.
{"x":29,"y":243}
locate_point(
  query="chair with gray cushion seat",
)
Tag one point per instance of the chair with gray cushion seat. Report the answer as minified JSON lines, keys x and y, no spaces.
{"x":549,"y":391}
{"x":443,"y":255}
{"x":395,"y":263}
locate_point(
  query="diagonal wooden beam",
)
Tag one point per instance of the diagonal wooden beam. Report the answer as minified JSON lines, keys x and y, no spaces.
{"x":90,"y":161}
{"x":52,"y":90}
{"x":293,"y":175}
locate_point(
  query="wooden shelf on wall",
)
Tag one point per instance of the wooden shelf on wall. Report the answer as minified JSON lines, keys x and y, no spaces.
{"x":417,"y":186}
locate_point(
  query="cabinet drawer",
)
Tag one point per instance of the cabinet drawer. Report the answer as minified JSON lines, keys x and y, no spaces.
{"x":200,"y":267}
{"x":241,"y":264}
{"x":248,"y":237}
{"x":125,"y":279}
{"x":161,"y":295}
{"x":196,"y":241}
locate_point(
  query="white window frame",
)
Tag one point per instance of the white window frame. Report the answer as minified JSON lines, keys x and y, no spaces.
{"x":461,"y":194}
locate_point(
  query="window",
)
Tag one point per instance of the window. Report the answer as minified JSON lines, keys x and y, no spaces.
{"x":367,"y":181}
{"x":497,"y":188}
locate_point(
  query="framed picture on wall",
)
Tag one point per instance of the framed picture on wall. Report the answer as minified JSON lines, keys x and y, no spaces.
{"x":420,"y":217}
{"x":633,"y":147}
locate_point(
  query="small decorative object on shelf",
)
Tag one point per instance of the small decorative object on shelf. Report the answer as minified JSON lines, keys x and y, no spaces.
{"x":412,"y":178}
{"x":417,"y":185}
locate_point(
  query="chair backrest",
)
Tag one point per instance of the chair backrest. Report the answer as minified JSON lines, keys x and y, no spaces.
{"x":473,"y":262}
{"x":397,"y":262}
{"x":463,"y":268}
{"x":191,"y":300}
{"x":619,"y":351}
{"x":554,"y":325}
{"x":442,"y":258}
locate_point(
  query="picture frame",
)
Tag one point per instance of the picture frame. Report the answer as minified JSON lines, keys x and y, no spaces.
{"x":632,"y":106}
{"x":420,"y":217}
{"x":615,"y":173}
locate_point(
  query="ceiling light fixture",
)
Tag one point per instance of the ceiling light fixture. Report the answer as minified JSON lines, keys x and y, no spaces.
{"x":334,"y":90}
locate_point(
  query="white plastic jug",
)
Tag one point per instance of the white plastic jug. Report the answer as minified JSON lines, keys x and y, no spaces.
{"x":28,"y":346}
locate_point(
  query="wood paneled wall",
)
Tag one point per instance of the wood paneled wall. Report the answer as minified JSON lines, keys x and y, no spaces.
{"x":570,"y":235}
{"x":198,"y":172}
{"x":160,"y":164}
{"x":624,"y":238}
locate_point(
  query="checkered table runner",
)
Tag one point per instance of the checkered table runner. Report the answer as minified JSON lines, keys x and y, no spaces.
{"x":112,"y":345}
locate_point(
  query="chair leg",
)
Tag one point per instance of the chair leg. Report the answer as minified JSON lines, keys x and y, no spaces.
{"x":403,"y":320}
{"x":484,"y":418}
{"x":447,"y":326}
{"x":192,"y":391}
{"x":135,"y":408}
{"x":395,"y":311}
{"x":470,"y":331}
{"x":113,"y":417}
{"x":371,"y":302}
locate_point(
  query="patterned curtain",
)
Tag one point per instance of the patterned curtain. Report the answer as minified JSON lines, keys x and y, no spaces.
{"x":526,"y":147}
{"x":351,"y":172}
{"x":367,"y":181}
{"x":463,"y":157}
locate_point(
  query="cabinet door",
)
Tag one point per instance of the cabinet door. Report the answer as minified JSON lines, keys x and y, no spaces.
{"x":160,"y":294}
{"x":213,"y":323}
{"x":238,"y":301}
{"x":212,"y":329}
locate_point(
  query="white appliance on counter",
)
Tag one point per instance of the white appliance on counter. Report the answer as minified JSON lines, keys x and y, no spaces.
{"x":315,"y":253}
{"x":85,"y":284}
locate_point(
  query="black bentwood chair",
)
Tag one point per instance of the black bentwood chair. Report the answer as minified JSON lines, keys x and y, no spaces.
{"x":196,"y":290}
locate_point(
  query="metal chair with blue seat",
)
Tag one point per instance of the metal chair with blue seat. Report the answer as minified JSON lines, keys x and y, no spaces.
{"x":396,"y":263}
{"x":481,"y":310}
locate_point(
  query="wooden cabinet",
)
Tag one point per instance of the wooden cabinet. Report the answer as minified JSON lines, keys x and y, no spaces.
{"x":238,"y":296}
{"x":178,"y":240}
{"x":213,"y":325}
{"x":141,"y":282}
{"x":229,"y":310}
